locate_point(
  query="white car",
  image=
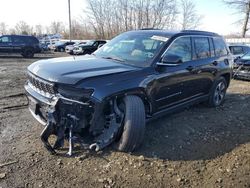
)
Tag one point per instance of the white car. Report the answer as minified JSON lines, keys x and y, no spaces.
{"x":69,"y":49}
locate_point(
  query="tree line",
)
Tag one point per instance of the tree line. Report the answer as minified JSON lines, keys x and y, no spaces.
{"x":107,"y":18}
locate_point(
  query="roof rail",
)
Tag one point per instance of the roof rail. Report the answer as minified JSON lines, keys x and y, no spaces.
{"x":199,"y":31}
{"x":149,"y":28}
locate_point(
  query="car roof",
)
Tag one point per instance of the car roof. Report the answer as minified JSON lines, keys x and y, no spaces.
{"x":169,"y":33}
{"x":243,"y":45}
{"x":19,"y":35}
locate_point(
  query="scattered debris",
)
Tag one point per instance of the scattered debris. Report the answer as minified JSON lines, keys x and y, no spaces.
{"x":8,"y":163}
{"x":2,"y":175}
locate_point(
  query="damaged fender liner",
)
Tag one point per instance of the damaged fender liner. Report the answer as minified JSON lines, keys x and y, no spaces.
{"x":67,"y":119}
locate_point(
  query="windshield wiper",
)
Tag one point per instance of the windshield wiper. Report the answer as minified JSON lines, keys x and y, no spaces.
{"x":114,"y":58}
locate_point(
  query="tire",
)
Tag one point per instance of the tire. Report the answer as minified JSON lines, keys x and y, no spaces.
{"x":134,"y":124}
{"x":28,"y":53}
{"x":218,"y":92}
{"x":61,"y":50}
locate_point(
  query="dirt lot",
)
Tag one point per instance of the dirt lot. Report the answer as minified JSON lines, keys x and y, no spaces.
{"x":198,"y":147}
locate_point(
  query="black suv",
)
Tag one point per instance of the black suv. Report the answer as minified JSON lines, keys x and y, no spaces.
{"x":107,"y":97}
{"x":26,"y":45}
{"x":89,"y":47}
{"x":60,"y":47}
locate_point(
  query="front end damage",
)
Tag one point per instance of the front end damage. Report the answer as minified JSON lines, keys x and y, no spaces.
{"x":78,"y":118}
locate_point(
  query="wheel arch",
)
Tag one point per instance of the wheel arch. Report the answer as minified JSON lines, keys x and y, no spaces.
{"x":227,"y":77}
{"x":140,"y":92}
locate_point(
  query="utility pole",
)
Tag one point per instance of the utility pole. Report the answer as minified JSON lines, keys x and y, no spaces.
{"x":69,"y":20}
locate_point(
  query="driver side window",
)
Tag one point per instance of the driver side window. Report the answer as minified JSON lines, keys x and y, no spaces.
{"x":181,"y":47}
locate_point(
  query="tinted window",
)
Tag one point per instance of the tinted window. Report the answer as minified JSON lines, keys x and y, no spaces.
{"x":5,"y":39}
{"x":17,"y":39}
{"x":236,"y":50}
{"x":181,"y":47}
{"x":220,"y":47}
{"x":202,"y":49}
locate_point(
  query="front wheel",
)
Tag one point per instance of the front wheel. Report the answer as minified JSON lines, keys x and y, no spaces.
{"x":134,"y":124}
{"x":218,"y":92}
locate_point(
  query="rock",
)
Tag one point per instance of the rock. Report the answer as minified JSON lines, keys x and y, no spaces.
{"x":141,"y":157}
{"x":82,"y":157}
{"x":179,"y":179}
{"x":40,"y":184}
{"x":219,"y":180}
{"x":59,"y":162}
{"x":2,"y":175}
{"x":101,"y":180}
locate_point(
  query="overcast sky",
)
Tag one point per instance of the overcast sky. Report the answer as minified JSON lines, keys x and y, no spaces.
{"x":217,"y":17}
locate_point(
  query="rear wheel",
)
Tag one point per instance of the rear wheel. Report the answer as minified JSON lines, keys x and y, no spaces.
{"x":28,"y":53}
{"x":134,"y":124}
{"x":218,"y":92}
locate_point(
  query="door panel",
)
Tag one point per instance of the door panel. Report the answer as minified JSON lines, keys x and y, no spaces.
{"x":171,"y":78}
{"x":18,"y":44}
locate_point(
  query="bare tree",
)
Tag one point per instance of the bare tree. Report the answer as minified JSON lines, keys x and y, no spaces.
{"x":243,"y":8}
{"x":56,"y":27}
{"x":3,"y":28}
{"x":110,"y":17}
{"x":39,"y":29}
{"x":190,"y":19}
{"x":23,"y":28}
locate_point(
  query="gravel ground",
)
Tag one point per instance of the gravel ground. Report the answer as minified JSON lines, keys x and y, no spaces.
{"x":198,"y":147}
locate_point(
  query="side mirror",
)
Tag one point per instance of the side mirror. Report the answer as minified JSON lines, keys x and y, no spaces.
{"x":170,"y":60}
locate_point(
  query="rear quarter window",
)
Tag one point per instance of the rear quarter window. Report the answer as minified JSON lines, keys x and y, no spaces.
{"x":220,"y":46}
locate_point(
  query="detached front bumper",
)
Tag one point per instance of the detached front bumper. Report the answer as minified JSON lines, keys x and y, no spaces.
{"x":39,"y":105}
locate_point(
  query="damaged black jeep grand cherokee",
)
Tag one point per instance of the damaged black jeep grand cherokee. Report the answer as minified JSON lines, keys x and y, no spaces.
{"x":104,"y":98}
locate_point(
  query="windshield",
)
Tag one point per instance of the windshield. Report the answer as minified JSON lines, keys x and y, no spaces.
{"x":246,"y":56}
{"x":88,"y":43}
{"x":132,"y":48}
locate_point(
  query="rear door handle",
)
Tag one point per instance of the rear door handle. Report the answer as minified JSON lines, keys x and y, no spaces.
{"x":190,"y":68}
{"x":215,"y":63}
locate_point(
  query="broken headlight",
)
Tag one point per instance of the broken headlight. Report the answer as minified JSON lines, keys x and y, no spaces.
{"x":75,"y":93}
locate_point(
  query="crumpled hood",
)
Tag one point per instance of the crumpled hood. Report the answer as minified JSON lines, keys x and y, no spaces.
{"x":70,"y":70}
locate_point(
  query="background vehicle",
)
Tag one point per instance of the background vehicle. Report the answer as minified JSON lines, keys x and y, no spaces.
{"x":69,"y":48}
{"x":138,"y":75}
{"x":60,"y":46}
{"x":238,"y":50}
{"x":89,"y":47}
{"x":242,"y":67}
{"x":26,"y":45}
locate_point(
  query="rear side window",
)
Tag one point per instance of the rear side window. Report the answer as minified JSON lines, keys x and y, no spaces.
{"x":202,"y":48}
{"x":17,"y":39}
{"x":220,"y":47}
{"x":181,"y":47}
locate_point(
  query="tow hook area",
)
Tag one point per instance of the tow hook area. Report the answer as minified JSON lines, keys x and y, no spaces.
{"x":52,"y":128}
{"x":68,"y":128}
